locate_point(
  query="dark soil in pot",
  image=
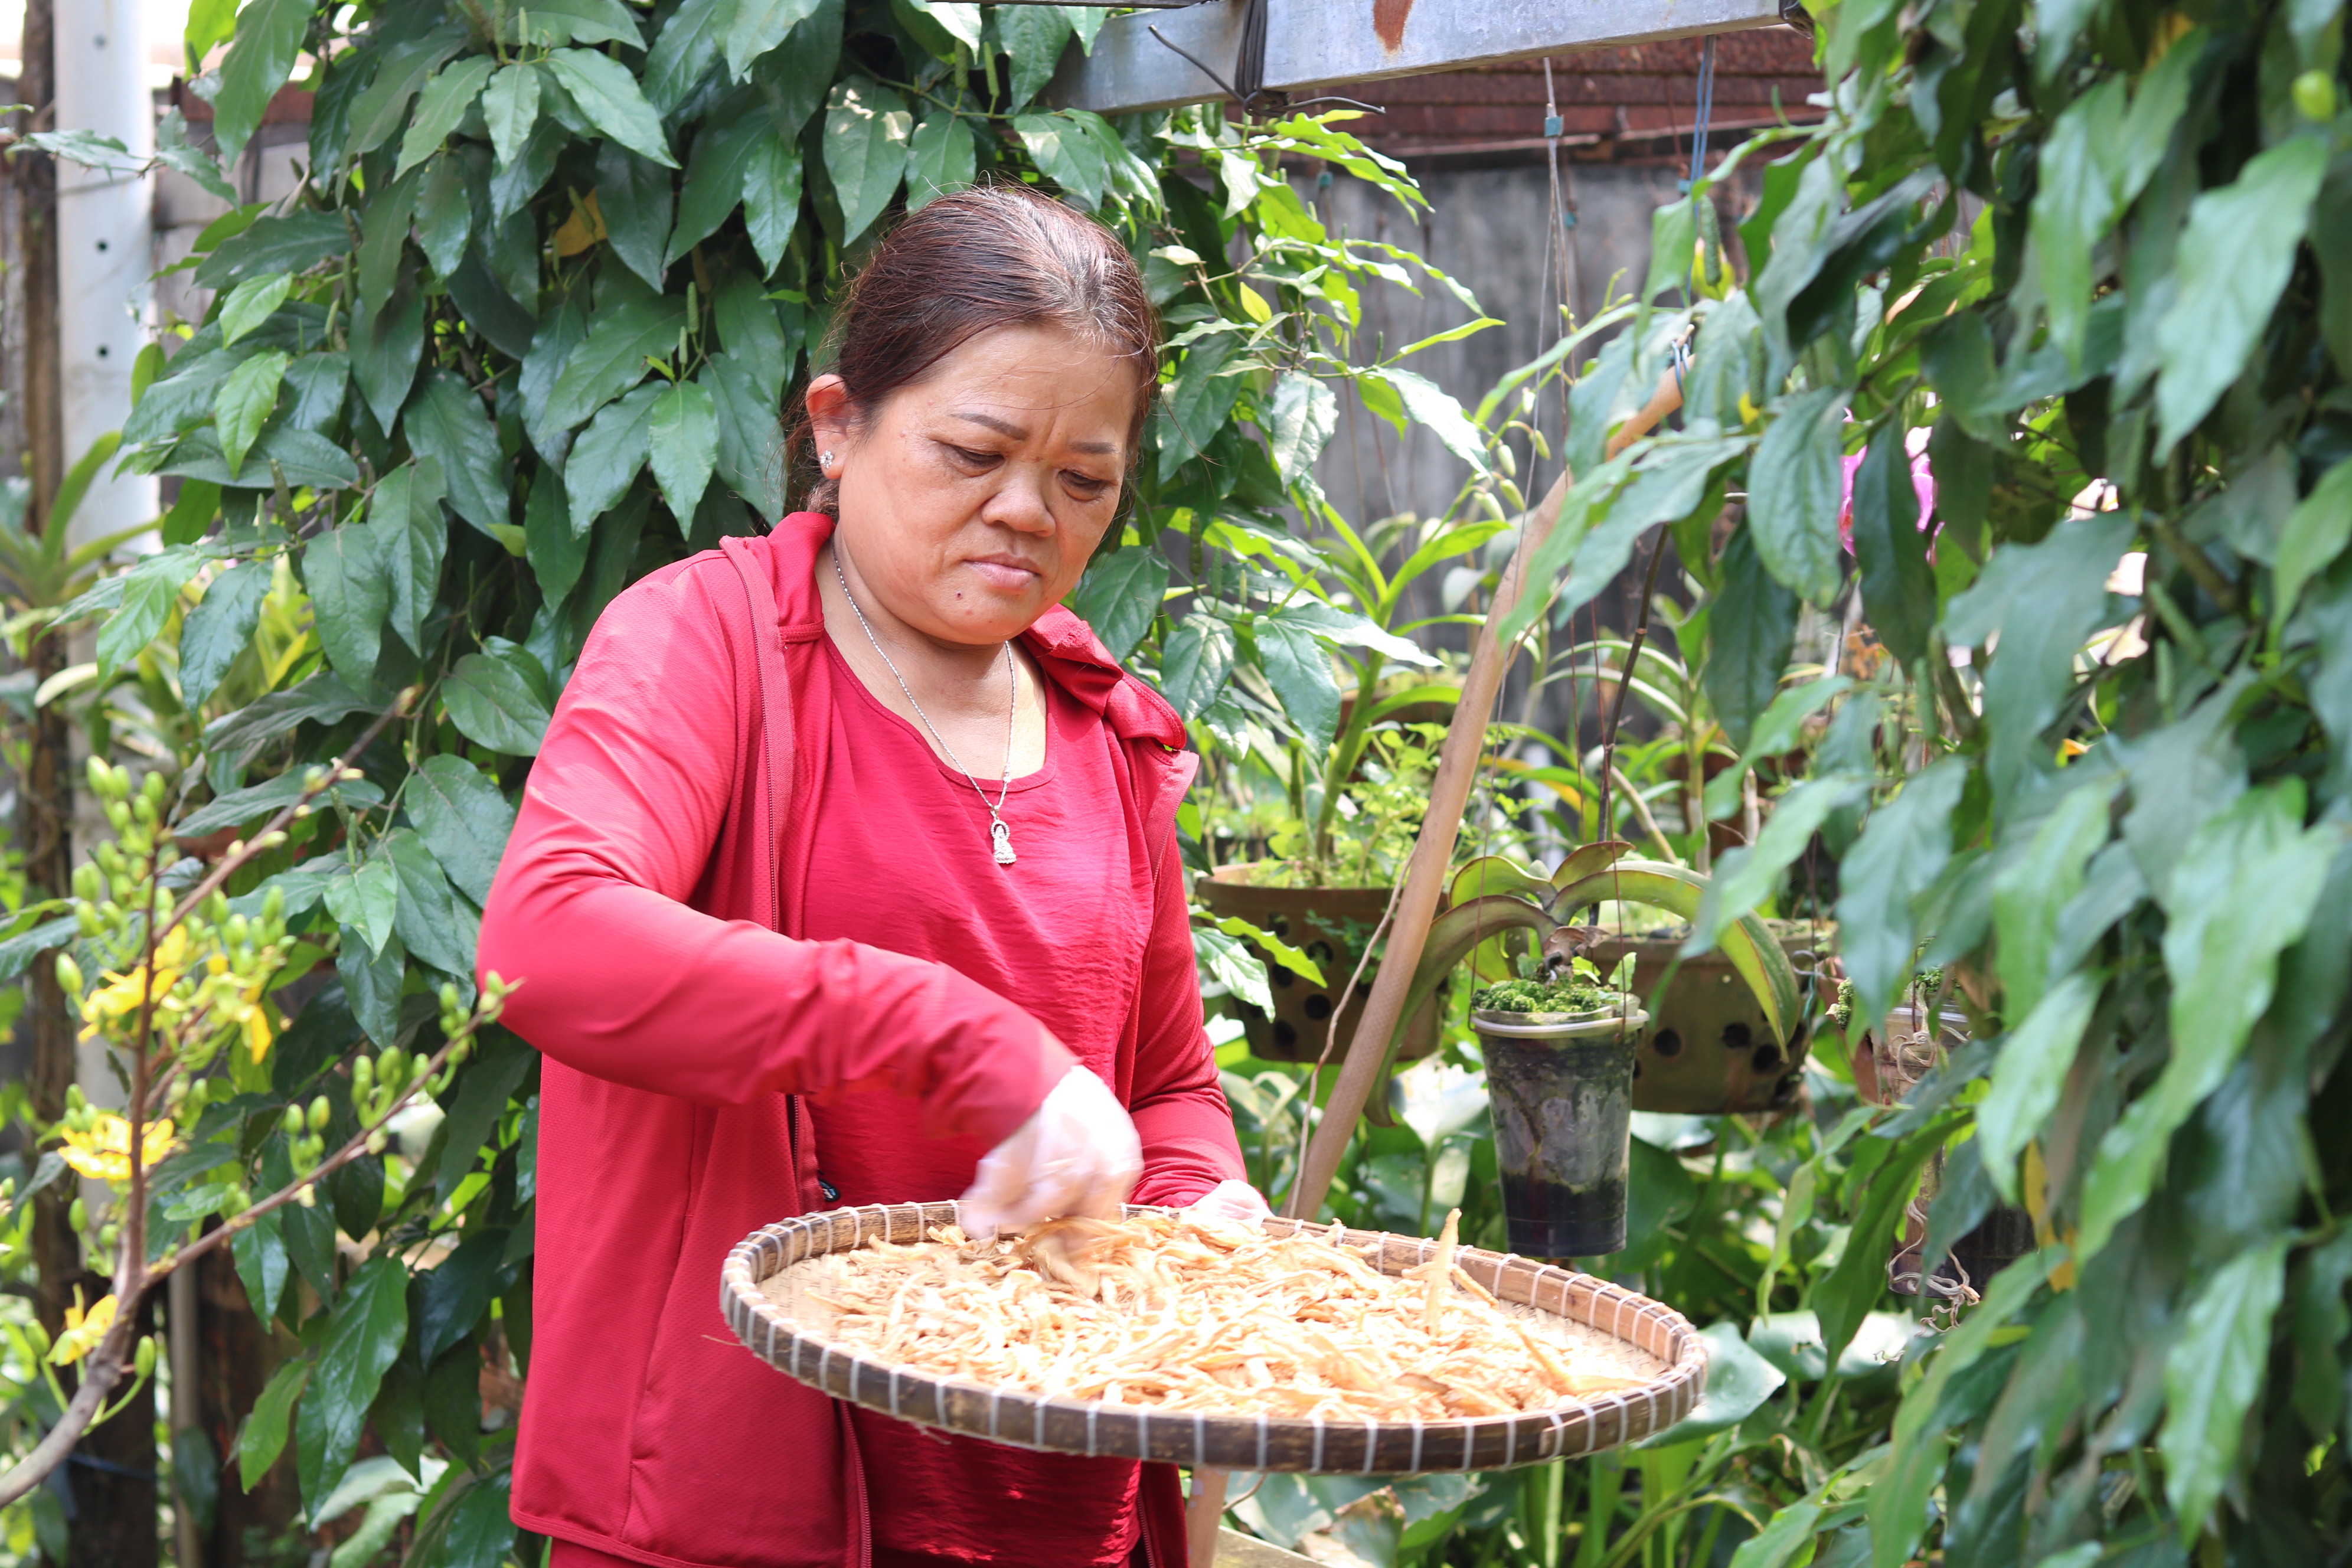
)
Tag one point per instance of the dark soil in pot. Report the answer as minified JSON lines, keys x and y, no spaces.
{"x":1561,"y":1092}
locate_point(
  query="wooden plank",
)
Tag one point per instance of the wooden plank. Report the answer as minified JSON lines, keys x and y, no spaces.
{"x":1316,"y":43}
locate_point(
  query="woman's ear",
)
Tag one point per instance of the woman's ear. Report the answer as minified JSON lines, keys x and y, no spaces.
{"x":830,"y":412}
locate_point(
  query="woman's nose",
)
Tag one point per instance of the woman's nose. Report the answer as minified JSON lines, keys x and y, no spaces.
{"x":1020,"y":503}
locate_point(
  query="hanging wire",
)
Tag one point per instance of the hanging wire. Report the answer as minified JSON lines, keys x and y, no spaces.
{"x":1706,"y":113}
{"x":1249,"y":68}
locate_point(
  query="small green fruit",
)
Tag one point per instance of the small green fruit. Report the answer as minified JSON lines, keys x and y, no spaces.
{"x":69,"y":976}
{"x":291,"y":1122}
{"x":78,"y":1215}
{"x":142,"y":1361}
{"x":2314,"y":96}
{"x":320,"y":1112}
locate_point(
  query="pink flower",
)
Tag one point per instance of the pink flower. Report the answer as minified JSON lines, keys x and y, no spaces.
{"x":1923,"y":482}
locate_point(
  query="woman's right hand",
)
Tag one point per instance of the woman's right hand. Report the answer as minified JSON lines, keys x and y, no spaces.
{"x":1078,"y":1155}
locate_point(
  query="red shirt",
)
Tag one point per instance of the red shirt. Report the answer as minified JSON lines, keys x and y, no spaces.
{"x":902,"y":860}
{"x":661,"y":900}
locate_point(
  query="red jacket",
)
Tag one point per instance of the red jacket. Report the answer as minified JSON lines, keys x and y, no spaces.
{"x":648,"y":902}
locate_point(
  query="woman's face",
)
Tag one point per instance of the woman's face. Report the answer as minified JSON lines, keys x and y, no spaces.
{"x":971,"y":500}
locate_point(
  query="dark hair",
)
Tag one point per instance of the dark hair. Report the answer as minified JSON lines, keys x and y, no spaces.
{"x":994,"y":256}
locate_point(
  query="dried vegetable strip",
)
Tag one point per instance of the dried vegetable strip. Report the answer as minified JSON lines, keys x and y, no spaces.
{"x":1201,"y":1315}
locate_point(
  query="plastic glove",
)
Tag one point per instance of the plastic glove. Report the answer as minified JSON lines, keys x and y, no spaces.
{"x":1235,"y":1201}
{"x":1078,"y":1154}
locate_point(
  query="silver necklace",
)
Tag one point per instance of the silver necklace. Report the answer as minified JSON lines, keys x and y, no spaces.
{"x":999,"y":835}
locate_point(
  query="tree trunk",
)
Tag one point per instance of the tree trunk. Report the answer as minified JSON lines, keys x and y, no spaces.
{"x":112,"y":1474}
{"x":236,"y":1354}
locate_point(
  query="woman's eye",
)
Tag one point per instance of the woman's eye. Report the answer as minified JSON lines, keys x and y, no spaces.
{"x":976,"y":460}
{"x":1084,"y":486}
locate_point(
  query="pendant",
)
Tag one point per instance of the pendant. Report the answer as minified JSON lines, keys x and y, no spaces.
{"x":1004,"y":838}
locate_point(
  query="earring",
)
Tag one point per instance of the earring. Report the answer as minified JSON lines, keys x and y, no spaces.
{"x":824,"y":461}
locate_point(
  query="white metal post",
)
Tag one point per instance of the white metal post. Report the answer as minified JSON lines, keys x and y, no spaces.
{"x":105,"y":237}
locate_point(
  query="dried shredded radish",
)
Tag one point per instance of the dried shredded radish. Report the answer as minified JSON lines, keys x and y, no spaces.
{"x":1197,"y":1314}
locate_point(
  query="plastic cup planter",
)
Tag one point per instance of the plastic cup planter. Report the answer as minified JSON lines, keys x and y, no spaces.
{"x":1561,"y":1088}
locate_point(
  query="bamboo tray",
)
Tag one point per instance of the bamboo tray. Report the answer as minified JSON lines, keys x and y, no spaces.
{"x":1096,"y":1429}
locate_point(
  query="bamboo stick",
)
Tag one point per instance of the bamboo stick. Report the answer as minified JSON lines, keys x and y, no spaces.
{"x":1433,"y":853}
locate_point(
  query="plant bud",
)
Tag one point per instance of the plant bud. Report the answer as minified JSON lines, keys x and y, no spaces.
{"x":108,"y":1235}
{"x":2314,"y":96}
{"x":377,"y":1141}
{"x":87,"y":885}
{"x":86,"y":919}
{"x":39,"y":1338}
{"x":320,"y":1112}
{"x":78,"y":1215}
{"x":101,"y":778}
{"x":362,"y":1076}
{"x":142,"y":1361}
{"x":291,"y":1122}
{"x":75,"y":1100}
{"x":151,"y":786}
{"x":118,"y":814}
{"x":69,"y":976}
{"x":273,"y":906}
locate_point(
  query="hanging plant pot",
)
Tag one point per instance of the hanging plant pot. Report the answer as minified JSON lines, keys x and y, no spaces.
{"x":1561,"y":1090}
{"x":1331,"y":925}
{"x":1710,"y":1050}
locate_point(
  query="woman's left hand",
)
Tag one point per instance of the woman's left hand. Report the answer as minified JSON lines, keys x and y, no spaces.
{"x":1235,"y":1201}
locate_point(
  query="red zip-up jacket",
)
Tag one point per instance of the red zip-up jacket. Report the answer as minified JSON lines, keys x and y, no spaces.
{"x":648,"y":903}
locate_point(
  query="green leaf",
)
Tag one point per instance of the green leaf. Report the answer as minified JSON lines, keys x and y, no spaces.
{"x":682,"y":434}
{"x":608,"y":94}
{"x":1228,"y":962}
{"x":367,"y":901}
{"x":942,"y":156}
{"x":259,"y":1251}
{"x":2032,"y":891}
{"x":269,"y":34}
{"x":760,"y":26}
{"x":684,"y":51}
{"x":1674,"y":239}
{"x":263,"y":1436}
{"x":343,"y":571}
{"x":1198,"y":401}
{"x":608,"y":455}
{"x":403,"y":68}
{"x":364,"y":1336}
{"x":434,"y":925}
{"x":444,"y":215}
{"x":1302,"y":414}
{"x":1787,"y":1536}
{"x":715,"y":177}
{"x":1065,"y":153}
{"x":374,"y":986}
{"x":1898,"y":858}
{"x":255,"y":802}
{"x":558,"y":22}
{"x":481,"y":1097}
{"x":440,"y":106}
{"x":387,"y":344}
{"x":458,"y":1290}
{"x":1034,"y":37}
{"x":634,"y":197}
{"x":2078,"y":197}
{"x":1748,"y":638}
{"x":1737,"y":1381}
{"x":481,"y":1532}
{"x":293,"y":242}
{"x":1195,"y":662}
{"x":493,"y":704}
{"x":410,"y":541}
{"x":556,"y":554}
{"x":250,"y":303}
{"x":2234,"y":260}
{"x":1793,"y":490}
{"x":866,"y":129}
{"x":1896,"y":582}
{"x":219,"y":629}
{"x":1298,"y":668}
{"x":465,"y":821}
{"x":2242,"y":893}
{"x":446,"y":421}
{"x":1898,"y":1500}
{"x":1746,"y":876}
{"x":751,"y":444}
{"x":1120,"y":593}
{"x":2029,"y":1075}
{"x":771,"y":197}
{"x":244,"y":401}
{"x":2043,"y":602}
{"x":150,"y":590}
{"x":1438,"y":411}
{"x":612,"y":359}
{"x":2315,"y":534}
{"x":2211,"y":1375}
{"x":510,"y":108}
{"x":751,"y":331}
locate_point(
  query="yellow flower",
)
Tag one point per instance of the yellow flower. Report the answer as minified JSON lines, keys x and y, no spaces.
{"x":104,"y":1152}
{"x":123,"y":994}
{"x":83,"y":1329}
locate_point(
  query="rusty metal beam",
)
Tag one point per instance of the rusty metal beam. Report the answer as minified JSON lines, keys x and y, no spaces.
{"x":1315,"y":44}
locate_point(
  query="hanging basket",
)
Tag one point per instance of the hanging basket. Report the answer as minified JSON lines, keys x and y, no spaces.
{"x":1024,"y":1419}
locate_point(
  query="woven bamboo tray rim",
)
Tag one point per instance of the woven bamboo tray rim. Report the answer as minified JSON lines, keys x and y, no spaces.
{"x":1197,"y":1440}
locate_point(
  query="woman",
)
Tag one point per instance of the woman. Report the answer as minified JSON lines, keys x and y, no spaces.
{"x":847,"y":874}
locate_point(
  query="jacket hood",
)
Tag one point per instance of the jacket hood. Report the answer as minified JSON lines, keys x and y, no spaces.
{"x":1064,"y":646}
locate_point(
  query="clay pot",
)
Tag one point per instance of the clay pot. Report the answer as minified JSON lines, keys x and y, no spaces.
{"x":1710,"y":1050}
{"x":1331,"y":926}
